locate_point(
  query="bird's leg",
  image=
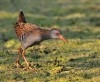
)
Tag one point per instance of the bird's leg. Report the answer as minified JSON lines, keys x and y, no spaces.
{"x":17,"y":61}
{"x":23,"y":55}
{"x":28,"y":65}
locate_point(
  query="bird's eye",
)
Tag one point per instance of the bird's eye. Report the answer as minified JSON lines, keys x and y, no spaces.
{"x":57,"y":33}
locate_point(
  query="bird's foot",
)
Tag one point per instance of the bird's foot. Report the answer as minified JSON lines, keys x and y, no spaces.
{"x":18,"y":65}
{"x":30,"y":68}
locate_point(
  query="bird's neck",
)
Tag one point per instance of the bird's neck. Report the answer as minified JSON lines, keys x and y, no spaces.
{"x":45,"y":34}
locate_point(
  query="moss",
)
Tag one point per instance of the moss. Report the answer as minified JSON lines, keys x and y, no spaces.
{"x":56,"y":61}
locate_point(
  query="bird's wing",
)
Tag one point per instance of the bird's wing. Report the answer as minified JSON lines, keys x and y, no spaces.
{"x":24,"y":29}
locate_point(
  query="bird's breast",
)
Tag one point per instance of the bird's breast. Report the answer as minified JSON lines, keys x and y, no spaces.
{"x":30,"y":40}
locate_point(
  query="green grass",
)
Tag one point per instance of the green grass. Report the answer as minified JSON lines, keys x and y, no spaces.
{"x":76,"y":61}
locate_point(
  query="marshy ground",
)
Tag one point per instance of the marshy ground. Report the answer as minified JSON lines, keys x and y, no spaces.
{"x":76,"y":61}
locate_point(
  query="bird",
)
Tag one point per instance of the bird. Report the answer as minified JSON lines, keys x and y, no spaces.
{"x":30,"y":35}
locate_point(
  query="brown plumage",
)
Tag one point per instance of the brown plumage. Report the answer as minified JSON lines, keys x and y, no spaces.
{"x":30,"y":34}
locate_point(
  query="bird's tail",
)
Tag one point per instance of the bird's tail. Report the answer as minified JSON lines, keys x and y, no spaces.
{"x":21,"y":17}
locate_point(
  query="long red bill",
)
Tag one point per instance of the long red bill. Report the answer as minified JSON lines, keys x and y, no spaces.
{"x":62,"y":38}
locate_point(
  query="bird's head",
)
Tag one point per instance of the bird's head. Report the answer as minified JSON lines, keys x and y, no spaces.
{"x":56,"y":33}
